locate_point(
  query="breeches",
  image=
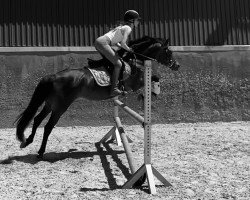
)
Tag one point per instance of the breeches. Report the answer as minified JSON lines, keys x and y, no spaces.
{"x":102,"y":45}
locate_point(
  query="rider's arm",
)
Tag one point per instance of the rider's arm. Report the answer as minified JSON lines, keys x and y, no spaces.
{"x":126,"y":30}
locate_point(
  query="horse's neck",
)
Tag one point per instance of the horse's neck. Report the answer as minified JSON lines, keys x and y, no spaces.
{"x":147,"y":46}
{"x":151,"y":52}
{"x":142,"y":45}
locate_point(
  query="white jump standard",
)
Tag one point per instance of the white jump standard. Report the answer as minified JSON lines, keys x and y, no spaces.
{"x":147,"y":167}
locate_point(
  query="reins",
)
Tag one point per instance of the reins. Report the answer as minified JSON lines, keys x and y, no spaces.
{"x":172,"y":62}
{"x":146,"y":57}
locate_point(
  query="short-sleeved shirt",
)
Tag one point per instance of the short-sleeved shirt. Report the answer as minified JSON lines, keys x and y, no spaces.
{"x":115,"y":35}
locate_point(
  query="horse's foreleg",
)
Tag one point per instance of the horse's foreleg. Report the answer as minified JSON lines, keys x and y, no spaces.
{"x":55,"y":116}
{"x":37,"y":121}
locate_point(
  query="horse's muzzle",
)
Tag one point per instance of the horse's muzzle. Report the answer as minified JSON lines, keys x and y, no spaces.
{"x":175,"y":66}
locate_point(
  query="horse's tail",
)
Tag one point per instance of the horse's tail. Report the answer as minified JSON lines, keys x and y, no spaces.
{"x":41,"y":92}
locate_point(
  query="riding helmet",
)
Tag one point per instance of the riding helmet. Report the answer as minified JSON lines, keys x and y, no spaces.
{"x":131,"y":15}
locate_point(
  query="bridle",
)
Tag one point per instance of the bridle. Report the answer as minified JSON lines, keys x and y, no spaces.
{"x":170,"y":65}
{"x":137,"y":68}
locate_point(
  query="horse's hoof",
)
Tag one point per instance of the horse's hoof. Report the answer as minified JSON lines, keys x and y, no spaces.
{"x":23,"y":145}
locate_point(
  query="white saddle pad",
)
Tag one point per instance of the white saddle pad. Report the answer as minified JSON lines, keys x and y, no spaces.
{"x":103,"y":78}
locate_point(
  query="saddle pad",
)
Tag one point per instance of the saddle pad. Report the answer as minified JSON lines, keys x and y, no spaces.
{"x":101,"y":76}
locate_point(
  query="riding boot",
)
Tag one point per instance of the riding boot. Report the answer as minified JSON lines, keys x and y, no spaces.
{"x":114,"y":83}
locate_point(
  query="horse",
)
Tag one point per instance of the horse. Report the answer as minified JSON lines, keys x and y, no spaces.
{"x":56,"y":92}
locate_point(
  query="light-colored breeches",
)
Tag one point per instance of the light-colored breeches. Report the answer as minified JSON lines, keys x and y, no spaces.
{"x":102,"y":45}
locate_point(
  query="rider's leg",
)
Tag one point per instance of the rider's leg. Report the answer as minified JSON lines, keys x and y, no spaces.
{"x":102,"y":45}
{"x":114,"y":80}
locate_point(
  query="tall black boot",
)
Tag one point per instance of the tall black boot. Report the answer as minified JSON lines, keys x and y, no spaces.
{"x":114,"y":83}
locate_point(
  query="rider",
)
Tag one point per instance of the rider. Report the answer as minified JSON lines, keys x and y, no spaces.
{"x":117,"y":37}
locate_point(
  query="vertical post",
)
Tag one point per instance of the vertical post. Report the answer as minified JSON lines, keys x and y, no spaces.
{"x":147,"y":126}
{"x":147,"y":112}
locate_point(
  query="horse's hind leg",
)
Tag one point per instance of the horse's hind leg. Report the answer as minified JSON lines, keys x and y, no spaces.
{"x":55,"y":116}
{"x":37,"y":121}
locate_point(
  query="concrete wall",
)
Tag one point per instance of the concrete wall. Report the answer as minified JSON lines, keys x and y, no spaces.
{"x":211,"y":86}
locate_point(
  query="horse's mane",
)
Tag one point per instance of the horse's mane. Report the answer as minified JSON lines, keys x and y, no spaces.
{"x":145,"y":42}
{"x":140,"y":44}
{"x":142,"y":40}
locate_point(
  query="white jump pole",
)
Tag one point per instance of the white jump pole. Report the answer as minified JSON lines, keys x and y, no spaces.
{"x":147,"y":166}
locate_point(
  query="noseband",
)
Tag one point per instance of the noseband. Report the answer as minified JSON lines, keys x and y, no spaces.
{"x":172,"y":63}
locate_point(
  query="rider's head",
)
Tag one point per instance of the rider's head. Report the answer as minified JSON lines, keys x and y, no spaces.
{"x":131,"y":16}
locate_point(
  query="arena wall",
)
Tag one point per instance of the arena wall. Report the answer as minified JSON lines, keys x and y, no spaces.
{"x":213,"y":85}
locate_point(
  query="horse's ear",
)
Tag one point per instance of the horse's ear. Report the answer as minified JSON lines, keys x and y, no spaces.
{"x":166,"y":43}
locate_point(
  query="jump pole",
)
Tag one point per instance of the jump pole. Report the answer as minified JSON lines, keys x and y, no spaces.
{"x":147,"y":167}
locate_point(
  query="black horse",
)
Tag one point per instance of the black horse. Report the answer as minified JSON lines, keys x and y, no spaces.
{"x":58,"y":91}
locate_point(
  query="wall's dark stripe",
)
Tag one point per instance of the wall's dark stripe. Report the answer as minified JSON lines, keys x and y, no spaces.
{"x":79,"y":22}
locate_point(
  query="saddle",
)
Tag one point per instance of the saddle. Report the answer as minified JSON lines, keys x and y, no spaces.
{"x":102,"y":70}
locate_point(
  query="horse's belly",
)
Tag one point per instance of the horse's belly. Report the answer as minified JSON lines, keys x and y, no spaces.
{"x":96,"y":93}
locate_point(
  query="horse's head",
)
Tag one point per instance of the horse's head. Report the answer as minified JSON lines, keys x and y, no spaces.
{"x":148,"y":48}
{"x":158,"y":49}
{"x":165,"y":56}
